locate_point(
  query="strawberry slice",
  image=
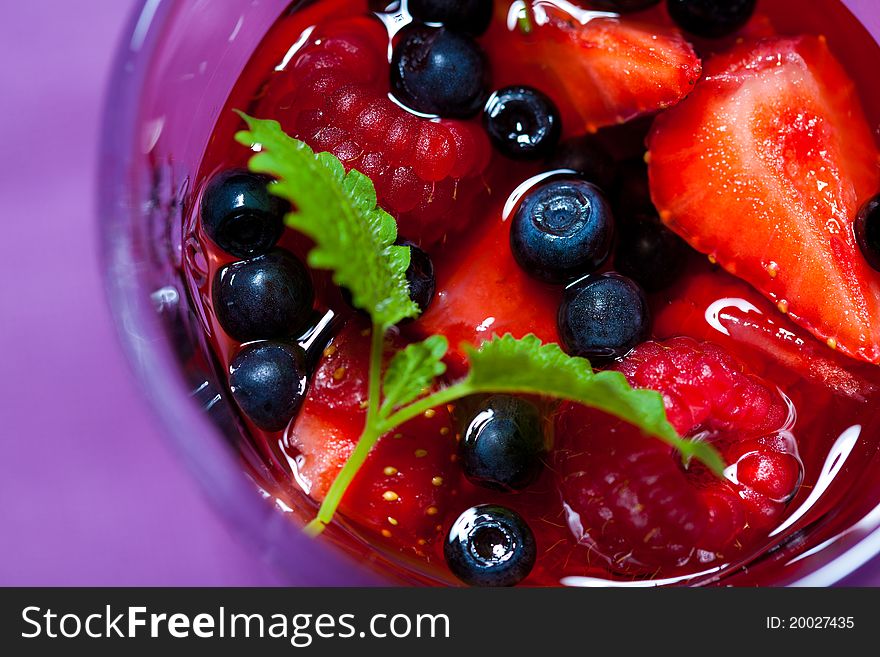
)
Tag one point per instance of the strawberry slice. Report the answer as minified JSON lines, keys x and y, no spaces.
{"x":713,"y":305}
{"x":407,"y":480}
{"x":610,"y":69}
{"x":482,"y":292}
{"x":763,"y":168}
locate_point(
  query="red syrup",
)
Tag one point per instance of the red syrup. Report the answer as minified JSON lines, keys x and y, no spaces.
{"x":833,"y":397}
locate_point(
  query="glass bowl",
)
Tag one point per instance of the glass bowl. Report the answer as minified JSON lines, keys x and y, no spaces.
{"x":174,"y":70}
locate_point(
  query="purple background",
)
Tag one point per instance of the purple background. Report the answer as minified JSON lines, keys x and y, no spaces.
{"x":90,"y":491}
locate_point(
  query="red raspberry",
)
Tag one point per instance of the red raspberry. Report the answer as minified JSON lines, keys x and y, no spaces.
{"x":627,"y":494}
{"x":624,"y":494}
{"x":703,"y":386}
{"x":333,"y":95}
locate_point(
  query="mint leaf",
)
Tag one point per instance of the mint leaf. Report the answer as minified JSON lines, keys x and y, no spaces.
{"x":412,"y":371}
{"x":527,"y":366}
{"x":353,"y":237}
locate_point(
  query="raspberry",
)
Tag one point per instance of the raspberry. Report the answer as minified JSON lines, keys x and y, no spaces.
{"x":628,"y":495}
{"x":334,"y":96}
{"x":434,"y":152}
{"x":771,"y":474}
{"x":703,"y":385}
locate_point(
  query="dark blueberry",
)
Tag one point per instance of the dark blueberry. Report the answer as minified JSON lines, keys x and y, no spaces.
{"x":522,"y":123}
{"x":490,"y":546}
{"x":586,"y":156}
{"x":265,"y":298}
{"x":867,"y":228}
{"x":503,"y":445}
{"x":623,"y":6}
{"x":711,"y":18}
{"x":419,"y":276}
{"x":562,"y":230}
{"x":470,"y":16}
{"x":268,"y":381}
{"x":240,"y":215}
{"x":631,"y":194}
{"x":603,"y":317}
{"x":649,"y":253}
{"x":436,"y":71}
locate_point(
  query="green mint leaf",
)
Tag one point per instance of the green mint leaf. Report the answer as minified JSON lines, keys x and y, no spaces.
{"x":353,"y":237}
{"x":527,"y":366}
{"x":412,"y":371}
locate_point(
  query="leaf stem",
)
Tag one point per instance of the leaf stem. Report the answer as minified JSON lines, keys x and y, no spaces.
{"x":374,"y":393}
{"x":440,"y":398}
{"x":369,"y":437}
{"x":373,"y":430}
{"x":334,"y":496}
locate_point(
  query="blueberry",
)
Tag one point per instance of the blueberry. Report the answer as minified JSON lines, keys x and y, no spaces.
{"x":240,"y":215}
{"x":562,"y":230}
{"x":503,"y":445}
{"x":490,"y":545}
{"x":522,"y":123}
{"x":867,"y":228}
{"x":265,"y":298}
{"x":470,"y":16}
{"x":419,"y":276}
{"x":623,"y":6}
{"x":711,"y":18}
{"x":586,"y":156}
{"x":268,"y":382}
{"x":649,"y":253}
{"x":437,"y":71}
{"x":603,"y":317}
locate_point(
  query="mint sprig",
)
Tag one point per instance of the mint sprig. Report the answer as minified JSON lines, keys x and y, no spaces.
{"x":354,"y":239}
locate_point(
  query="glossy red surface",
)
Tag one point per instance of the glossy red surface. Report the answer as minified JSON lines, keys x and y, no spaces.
{"x":830,"y":393}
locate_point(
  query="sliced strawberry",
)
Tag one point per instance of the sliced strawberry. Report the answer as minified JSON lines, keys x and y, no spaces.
{"x":333,"y":94}
{"x":482,"y":292}
{"x":763,"y":168}
{"x":628,"y":496}
{"x":713,"y":305}
{"x":409,"y":476}
{"x":610,"y":70}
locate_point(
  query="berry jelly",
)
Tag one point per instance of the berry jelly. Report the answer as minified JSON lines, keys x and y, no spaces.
{"x":443,"y":204}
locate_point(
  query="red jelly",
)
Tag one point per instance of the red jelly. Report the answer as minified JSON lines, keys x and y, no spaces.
{"x":783,"y":387}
